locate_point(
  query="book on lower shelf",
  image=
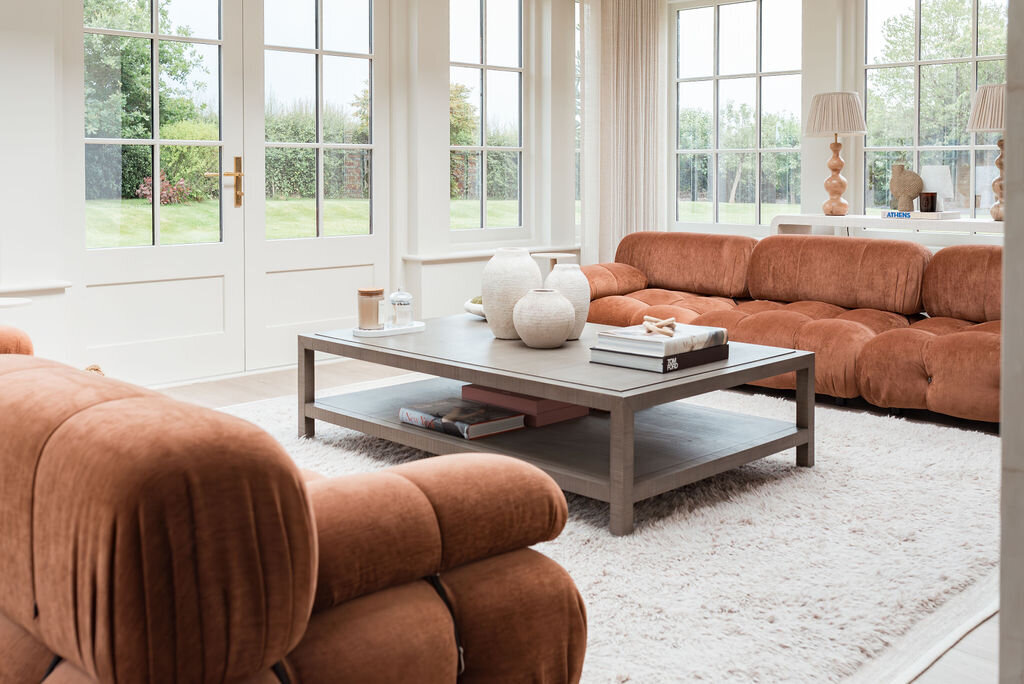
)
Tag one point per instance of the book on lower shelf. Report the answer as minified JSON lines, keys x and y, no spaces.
{"x":659,"y":364}
{"x":636,"y":339}
{"x":539,"y":412}
{"x":461,"y":418}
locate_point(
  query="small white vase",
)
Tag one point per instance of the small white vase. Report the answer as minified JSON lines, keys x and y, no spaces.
{"x":574,"y":286}
{"x":509,"y":275}
{"x":544,"y":318}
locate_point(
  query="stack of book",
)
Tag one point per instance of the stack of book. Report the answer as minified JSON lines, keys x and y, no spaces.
{"x":539,"y":412}
{"x":637,"y":347}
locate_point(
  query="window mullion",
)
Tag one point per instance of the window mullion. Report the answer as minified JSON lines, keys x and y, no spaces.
{"x":157,"y":185}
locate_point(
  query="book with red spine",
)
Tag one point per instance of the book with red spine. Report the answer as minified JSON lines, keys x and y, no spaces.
{"x":539,"y":412}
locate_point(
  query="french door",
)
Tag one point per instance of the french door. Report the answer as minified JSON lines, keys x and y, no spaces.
{"x":230,"y":158}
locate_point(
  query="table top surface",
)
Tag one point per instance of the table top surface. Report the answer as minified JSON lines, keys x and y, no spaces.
{"x":465,"y":341}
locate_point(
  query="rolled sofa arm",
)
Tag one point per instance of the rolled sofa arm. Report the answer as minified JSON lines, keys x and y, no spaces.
{"x":379,"y":530}
{"x":14,"y":341}
{"x":607,"y":280}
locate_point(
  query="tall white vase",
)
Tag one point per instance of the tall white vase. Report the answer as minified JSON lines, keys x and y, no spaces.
{"x":509,"y":275}
{"x":574,"y":286}
{"x":544,"y":318}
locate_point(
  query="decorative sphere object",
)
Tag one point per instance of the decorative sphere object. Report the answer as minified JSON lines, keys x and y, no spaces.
{"x":544,"y":318}
{"x":509,"y":275}
{"x":574,"y":286}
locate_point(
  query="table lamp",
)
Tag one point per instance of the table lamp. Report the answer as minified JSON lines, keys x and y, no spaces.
{"x":987,"y":117}
{"x":836,"y":114}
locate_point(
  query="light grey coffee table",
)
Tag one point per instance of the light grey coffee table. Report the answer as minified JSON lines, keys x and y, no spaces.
{"x":643,"y":446}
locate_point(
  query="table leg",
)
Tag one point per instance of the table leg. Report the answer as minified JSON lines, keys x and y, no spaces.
{"x":307,"y":389}
{"x":621,"y":470}
{"x":805,"y":413}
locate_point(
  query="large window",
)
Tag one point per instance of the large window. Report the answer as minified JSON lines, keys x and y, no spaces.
{"x":737,"y":111}
{"x":923,"y":60}
{"x":485,"y":98}
{"x":318,"y":65}
{"x":152,"y":122}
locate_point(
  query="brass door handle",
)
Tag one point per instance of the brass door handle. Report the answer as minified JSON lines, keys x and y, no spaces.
{"x":237,"y":175}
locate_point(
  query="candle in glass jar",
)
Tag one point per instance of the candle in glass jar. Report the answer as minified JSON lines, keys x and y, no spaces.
{"x":369,"y":308}
{"x":401,"y":306}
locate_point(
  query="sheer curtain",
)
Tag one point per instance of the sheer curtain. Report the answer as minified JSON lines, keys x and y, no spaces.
{"x":625,"y":123}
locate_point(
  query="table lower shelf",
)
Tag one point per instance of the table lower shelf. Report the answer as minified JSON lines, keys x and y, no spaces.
{"x":675,"y":443}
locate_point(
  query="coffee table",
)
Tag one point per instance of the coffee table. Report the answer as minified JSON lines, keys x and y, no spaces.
{"x":636,"y":445}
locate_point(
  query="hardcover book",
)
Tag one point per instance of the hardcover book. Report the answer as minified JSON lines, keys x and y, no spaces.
{"x":466,"y":419}
{"x":637,"y":340}
{"x":539,"y":412}
{"x":655,"y":364}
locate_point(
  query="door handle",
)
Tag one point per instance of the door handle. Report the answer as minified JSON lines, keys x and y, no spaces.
{"x":237,"y":175}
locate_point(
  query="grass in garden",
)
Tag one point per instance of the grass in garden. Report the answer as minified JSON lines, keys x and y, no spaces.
{"x":465,"y":214}
{"x":737,"y":213}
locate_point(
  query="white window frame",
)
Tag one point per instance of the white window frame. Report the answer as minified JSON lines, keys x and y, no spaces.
{"x":914,"y":151}
{"x":757,"y":229}
{"x":485,"y":232}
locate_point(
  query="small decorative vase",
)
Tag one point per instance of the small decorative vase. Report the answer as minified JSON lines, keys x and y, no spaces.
{"x":574,"y":286}
{"x":544,"y":318}
{"x":509,"y":275}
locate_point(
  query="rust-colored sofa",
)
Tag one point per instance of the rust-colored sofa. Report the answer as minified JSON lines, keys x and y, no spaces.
{"x":14,"y":341}
{"x":887,"y":320}
{"x":149,"y":540}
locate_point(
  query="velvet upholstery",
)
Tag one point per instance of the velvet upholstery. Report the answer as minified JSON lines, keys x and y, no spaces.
{"x":966,"y":282}
{"x":690,"y":262}
{"x":14,"y":341}
{"x":149,"y":540}
{"x":607,"y":280}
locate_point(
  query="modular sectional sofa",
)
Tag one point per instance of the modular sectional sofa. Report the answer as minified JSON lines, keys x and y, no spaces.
{"x":888,"y":320}
{"x":149,"y":540}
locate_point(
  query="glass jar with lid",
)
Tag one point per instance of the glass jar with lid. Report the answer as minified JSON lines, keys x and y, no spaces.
{"x":370,"y":308}
{"x":401,"y":307}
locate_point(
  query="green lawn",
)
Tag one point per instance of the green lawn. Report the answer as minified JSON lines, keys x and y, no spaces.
{"x":738,"y":213}
{"x":465,"y":214}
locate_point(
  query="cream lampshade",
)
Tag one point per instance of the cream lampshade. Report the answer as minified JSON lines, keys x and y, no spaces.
{"x":833,"y":115}
{"x":987,"y":117}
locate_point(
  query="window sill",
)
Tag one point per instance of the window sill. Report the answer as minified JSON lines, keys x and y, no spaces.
{"x":477,"y":255}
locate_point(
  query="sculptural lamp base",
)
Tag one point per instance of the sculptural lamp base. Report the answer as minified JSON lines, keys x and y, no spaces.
{"x":835,"y":185}
{"x":998,"y":186}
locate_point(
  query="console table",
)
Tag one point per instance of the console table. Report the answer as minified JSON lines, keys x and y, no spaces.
{"x":980,"y":231}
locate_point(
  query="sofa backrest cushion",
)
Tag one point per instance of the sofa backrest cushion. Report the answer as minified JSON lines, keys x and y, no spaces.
{"x":966,"y":282}
{"x":690,"y":262}
{"x":854,"y":273}
{"x":146,"y":539}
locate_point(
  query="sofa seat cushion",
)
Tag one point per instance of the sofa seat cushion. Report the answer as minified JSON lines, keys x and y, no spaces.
{"x":685,"y":300}
{"x":630,"y":309}
{"x":938,"y":364}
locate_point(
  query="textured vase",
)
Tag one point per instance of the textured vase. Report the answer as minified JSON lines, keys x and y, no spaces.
{"x":574,"y":286}
{"x":544,"y":318}
{"x":509,"y":275}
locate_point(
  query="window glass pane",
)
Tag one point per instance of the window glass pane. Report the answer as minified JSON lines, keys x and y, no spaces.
{"x":193,"y":18}
{"x":118,"y":87}
{"x":347,"y":192}
{"x":781,"y":35}
{"x":123,"y":15}
{"x":737,"y":177}
{"x":289,"y":23}
{"x":693,"y":190}
{"x":503,"y":108}
{"x":189,"y":91}
{"x":503,"y":190}
{"x":992,"y":22}
{"x":503,"y":31}
{"x":695,"y":30}
{"x":347,"y":25}
{"x":189,"y":201}
{"x":464,"y":106}
{"x":696,"y":107}
{"x":985,"y":173}
{"x":876,"y":179}
{"x":945,"y":29}
{"x":737,"y":125}
{"x":890,"y":107}
{"x":117,"y":210}
{"x":780,"y":184}
{"x":464,"y":27}
{"x":290,"y":87}
{"x":465,"y":180}
{"x":291,"y":181}
{"x":346,"y":100}
{"x":952,"y":164}
{"x":780,"y":111}
{"x":890,"y":31}
{"x":945,"y":104}
{"x":737,"y":38}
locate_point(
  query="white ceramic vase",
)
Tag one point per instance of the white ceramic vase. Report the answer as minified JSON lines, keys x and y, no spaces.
{"x":574,"y":286}
{"x":509,"y":275}
{"x":544,"y":318}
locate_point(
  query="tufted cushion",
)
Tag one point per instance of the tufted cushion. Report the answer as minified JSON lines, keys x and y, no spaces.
{"x":851,"y":273}
{"x":14,"y":341}
{"x":965,"y":282}
{"x":631,"y":309}
{"x":607,"y":280}
{"x":690,"y":262}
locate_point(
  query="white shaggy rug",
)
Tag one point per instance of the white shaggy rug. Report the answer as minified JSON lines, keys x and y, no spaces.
{"x":861,"y":566}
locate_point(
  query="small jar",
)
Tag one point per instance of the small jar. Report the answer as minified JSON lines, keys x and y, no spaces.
{"x":370,"y":301}
{"x":401,"y":308}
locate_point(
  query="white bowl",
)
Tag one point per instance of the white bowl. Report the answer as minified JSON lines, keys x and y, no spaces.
{"x":475,"y":309}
